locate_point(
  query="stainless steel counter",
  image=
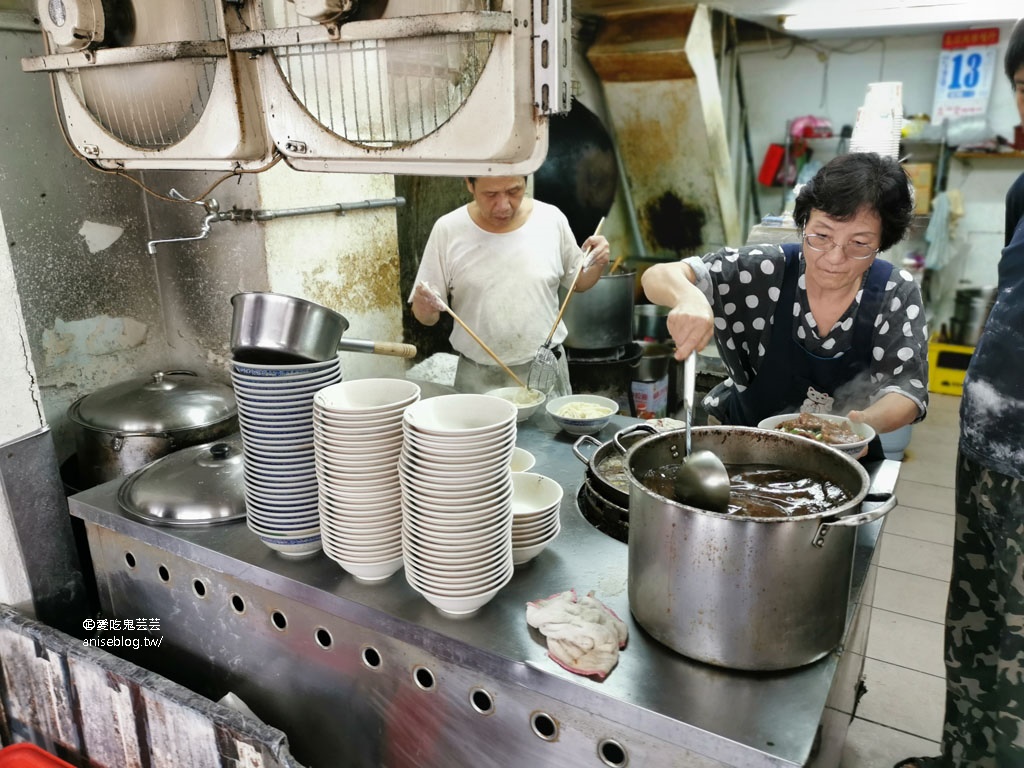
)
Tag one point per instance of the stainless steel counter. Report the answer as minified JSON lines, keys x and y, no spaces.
{"x":373,"y":675}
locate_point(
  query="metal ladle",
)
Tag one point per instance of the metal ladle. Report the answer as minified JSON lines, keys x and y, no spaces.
{"x":702,"y":480}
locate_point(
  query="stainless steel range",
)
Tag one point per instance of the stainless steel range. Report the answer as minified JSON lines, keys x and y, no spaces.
{"x":372,"y":675}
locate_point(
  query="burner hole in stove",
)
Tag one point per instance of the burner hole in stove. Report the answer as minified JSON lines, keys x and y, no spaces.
{"x":482,"y":701}
{"x":129,"y":559}
{"x":424,"y":678}
{"x":237,"y":604}
{"x":323,"y":638}
{"x":199,"y":587}
{"x":371,"y":657}
{"x":544,"y":726}
{"x":279,"y":620}
{"x":612,"y":753}
{"x":163,"y":573}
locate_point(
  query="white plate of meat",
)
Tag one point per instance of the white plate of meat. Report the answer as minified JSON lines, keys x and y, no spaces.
{"x":838,"y":431}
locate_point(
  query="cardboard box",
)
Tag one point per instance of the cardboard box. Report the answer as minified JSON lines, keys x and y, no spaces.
{"x":922,"y":177}
{"x":920,"y":174}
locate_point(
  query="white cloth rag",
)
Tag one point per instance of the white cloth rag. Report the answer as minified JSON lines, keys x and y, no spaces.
{"x":583,"y":634}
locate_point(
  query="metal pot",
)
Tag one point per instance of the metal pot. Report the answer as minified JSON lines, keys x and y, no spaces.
{"x":123,"y":427}
{"x":743,"y":592}
{"x":603,"y":463}
{"x":602,"y":317}
{"x":650,"y":322}
{"x":654,"y":362}
{"x":275,"y":329}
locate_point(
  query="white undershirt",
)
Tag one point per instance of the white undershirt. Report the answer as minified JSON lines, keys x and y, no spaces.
{"x":503,"y":286}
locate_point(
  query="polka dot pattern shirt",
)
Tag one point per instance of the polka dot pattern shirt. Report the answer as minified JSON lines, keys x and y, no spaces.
{"x":743,"y":286}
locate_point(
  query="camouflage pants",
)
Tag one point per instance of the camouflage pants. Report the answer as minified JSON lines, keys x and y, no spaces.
{"x":984,"y":637}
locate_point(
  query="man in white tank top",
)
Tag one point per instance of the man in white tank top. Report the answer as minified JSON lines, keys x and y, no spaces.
{"x":498,"y":262}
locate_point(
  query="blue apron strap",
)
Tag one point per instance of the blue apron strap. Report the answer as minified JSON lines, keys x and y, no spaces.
{"x":870,"y":305}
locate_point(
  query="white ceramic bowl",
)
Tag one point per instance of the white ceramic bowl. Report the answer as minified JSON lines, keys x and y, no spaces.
{"x":523,"y":555}
{"x":522,"y":460}
{"x":470,"y":563}
{"x":369,"y":572}
{"x":533,"y":493}
{"x":866,"y":431}
{"x":514,"y":395}
{"x":366,"y":396}
{"x":576,"y":426}
{"x":458,"y":442}
{"x":461,"y":415}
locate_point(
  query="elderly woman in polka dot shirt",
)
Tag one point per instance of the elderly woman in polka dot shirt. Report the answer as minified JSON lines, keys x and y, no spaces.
{"x":821,"y":326}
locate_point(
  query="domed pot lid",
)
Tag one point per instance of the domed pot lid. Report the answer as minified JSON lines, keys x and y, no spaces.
{"x":164,"y":401}
{"x":200,"y":485}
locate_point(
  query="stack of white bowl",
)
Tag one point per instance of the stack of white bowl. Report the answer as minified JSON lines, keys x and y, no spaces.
{"x":879,"y":122}
{"x":275,"y":417}
{"x":357,"y":438}
{"x":457,"y":499}
{"x":536,"y":500}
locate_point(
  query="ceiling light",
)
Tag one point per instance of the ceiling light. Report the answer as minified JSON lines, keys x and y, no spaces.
{"x":947,"y":15}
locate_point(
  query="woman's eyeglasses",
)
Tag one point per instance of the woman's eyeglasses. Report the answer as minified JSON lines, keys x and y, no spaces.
{"x":852,"y":249}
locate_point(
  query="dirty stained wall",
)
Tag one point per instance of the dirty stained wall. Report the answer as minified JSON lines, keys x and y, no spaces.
{"x":661,"y":90}
{"x":76,"y":238}
{"x":20,"y":413}
{"x":197,"y":278}
{"x":348,"y":262}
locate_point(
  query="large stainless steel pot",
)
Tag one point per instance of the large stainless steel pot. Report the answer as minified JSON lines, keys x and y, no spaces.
{"x":602,"y":317}
{"x":124,"y":427}
{"x":742,"y":592}
{"x":272,"y":328}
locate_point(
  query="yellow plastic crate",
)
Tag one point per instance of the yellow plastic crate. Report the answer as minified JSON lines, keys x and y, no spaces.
{"x":947,"y":366}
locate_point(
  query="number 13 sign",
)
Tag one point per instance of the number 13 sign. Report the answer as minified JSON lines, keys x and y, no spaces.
{"x":966,"y":67}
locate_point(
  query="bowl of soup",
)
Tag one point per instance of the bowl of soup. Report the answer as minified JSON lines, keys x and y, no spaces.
{"x":850,"y":437}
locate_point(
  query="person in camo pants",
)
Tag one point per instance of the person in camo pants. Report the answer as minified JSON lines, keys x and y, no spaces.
{"x":984,"y":635}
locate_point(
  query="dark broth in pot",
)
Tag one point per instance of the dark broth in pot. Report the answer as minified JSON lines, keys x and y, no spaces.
{"x":762,"y":490}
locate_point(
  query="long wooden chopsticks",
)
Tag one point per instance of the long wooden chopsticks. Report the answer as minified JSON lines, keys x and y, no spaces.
{"x":480,"y":341}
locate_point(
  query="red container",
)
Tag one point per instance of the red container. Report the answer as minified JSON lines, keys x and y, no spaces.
{"x":27,"y":755}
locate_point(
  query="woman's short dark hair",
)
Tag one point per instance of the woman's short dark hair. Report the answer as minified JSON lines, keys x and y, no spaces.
{"x":1014,"y":58}
{"x":850,"y":182}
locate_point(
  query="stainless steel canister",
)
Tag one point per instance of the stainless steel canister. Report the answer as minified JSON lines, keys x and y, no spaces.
{"x":602,"y":317}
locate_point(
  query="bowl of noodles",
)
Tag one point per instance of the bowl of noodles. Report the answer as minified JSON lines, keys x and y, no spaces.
{"x":526,"y":401}
{"x":582,"y":414}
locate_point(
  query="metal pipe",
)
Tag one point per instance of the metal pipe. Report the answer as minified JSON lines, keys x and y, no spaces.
{"x":249,"y":214}
{"x":263,"y":215}
{"x":204,"y":233}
